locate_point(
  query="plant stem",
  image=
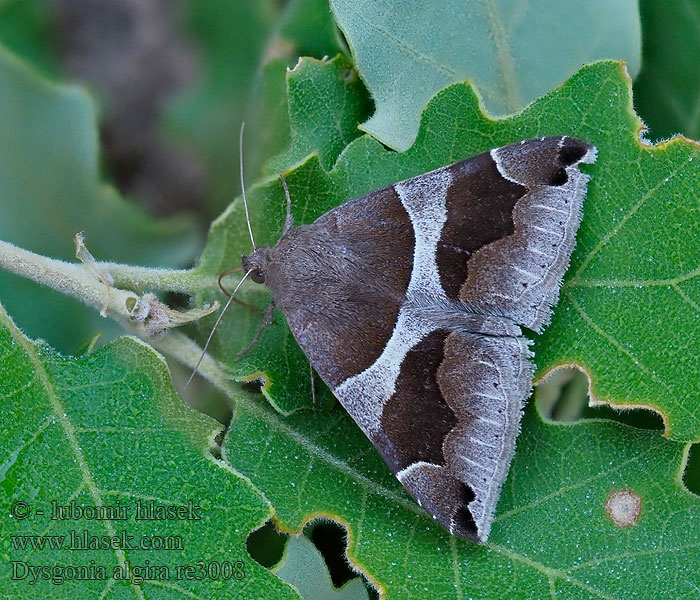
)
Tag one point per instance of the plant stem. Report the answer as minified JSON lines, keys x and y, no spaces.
{"x":91,"y":286}
{"x":187,"y":352}
{"x":165,"y":280}
{"x":68,"y":278}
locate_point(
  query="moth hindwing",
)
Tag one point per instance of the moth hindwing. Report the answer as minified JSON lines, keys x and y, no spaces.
{"x":409,"y":303}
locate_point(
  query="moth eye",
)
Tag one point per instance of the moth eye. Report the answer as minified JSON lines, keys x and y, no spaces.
{"x":257,"y":276}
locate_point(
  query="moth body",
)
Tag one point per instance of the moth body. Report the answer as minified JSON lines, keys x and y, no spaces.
{"x":409,"y":303}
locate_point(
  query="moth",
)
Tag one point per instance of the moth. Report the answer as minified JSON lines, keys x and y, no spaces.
{"x":409,"y":302}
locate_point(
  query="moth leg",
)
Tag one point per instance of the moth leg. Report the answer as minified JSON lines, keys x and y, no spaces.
{"x":266,"y":321}
{"x":313,"y":384}
{"x":289,"y":219}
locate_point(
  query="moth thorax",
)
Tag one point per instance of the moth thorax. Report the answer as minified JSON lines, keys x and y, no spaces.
{"x":257,"y":262}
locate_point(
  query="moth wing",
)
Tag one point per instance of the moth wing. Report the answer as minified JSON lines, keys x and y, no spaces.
{"x":510,"y":227}
{"x":406,"y":301}
{"x":342,"y":280}
{"x":447,"y":421}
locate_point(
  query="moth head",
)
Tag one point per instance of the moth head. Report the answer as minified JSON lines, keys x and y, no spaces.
{"x":257,"y":263}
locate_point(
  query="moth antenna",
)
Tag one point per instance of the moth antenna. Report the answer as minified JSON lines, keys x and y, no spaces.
{"x":213,"y":329}
{"x":224,"y":274}
{"x":236,"y":300}
{"x":245,"y":199}
{"x":289,"y":221}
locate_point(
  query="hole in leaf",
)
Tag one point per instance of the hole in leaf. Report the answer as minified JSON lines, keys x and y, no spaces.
{"x":330,"y":539}
{"x":691,"y":475}
{"x":564,"y":397}
{"x":638,"y":416}
{"x":349,"y":75}
{"x":266,"y":545}
{"x":253,"y":386}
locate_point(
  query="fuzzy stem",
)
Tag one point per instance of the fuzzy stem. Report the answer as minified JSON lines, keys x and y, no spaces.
{"x":67,"y":278}
{"x":78,"y":281}
{"x":186,"y":281}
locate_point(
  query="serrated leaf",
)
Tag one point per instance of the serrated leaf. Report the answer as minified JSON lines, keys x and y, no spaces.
{"x":552,"y":536}
{"x":630,"y":303}
{"x":109,"y":430}
{"x":50,"y":189}
{"x":667,"y":91}
{"x":513,"y":52}
{"x":303,"y":568}
{"x":306,"y":28}
{"x":326,"y":102}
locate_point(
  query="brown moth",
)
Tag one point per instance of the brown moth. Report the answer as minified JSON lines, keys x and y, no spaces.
{"x":409,"y":303}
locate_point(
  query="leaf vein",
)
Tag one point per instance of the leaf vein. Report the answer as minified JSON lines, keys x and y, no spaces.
{"x":633,"y":211}
{"x":570,"y":488}
{"x":550,"y":572}
{"x":68,"y":431}
{"x":618,"y":346}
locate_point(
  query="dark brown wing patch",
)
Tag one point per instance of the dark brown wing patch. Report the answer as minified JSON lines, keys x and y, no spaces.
{"x":479,"y":210}
{"x":484,"y":381}
{"x":416,"y":419}
{"x":341,"y":282}
{"x":519,"y":275}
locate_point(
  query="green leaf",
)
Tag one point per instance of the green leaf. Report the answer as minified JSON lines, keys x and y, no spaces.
{"x":25,"y":30}
{"x":108,"y":430}
{"x":306,"y":28}
{"x":247,"y":47}
{"x":304,"y":569}
{"x":50,"y":189}
{"x":552,"y":536}
{"x":334,"y":95}
{"x":512,"y":51}
{"x":667,"y":91}
{"x":631,"y":298}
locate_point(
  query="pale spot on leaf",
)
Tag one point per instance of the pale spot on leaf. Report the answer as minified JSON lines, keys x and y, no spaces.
{"x":623,"y":507}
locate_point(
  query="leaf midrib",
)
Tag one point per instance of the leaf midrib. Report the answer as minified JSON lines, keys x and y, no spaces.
{"x":505,"y":57}
{"x":275,"y":421}
{"x":68,"y":430}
